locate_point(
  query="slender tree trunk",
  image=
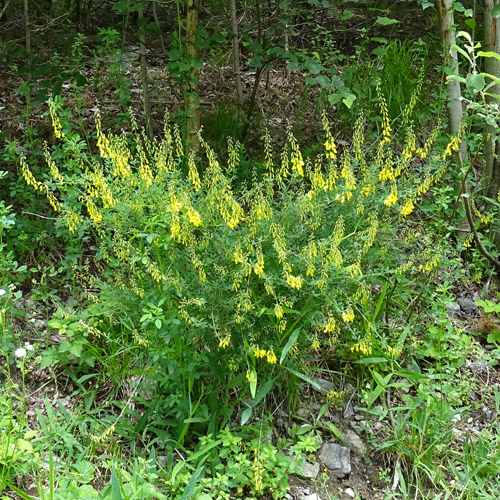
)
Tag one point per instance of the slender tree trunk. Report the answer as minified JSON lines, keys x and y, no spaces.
{"x":144,"y":77}
{"x":455,"y":113}
{"x":155,"y":16}
{"x":236,"y":53}
{"x":27,"y":32}
{"x":191,"y":98}
{"x":491,"y":66}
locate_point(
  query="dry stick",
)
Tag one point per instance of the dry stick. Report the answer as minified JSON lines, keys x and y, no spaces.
{"x":468,"y":213}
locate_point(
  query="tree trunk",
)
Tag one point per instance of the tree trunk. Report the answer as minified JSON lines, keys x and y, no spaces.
{"x":144,"y":77}
{"x":27,"y":32}
{"x":236,"y":53}
{"x":455,"y":113}
{"x":491,"y":66}
{"x":155,"y":16}
{"x":191,"y":98}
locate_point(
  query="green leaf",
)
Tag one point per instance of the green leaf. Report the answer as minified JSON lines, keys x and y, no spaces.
{"x":253,"y":383}
{"x":116,"y":492}
{"x":346,"y":15}
{"x":305,"y":378}
{"x":334,"y":430}
{"x":373,"y":360}
{"x":264,"y":390}
{"x":348,"y":100}
{"x":289,"y":344}
{"x":313,"y":66}
{"x":334,"y":99}
{"x":495,"y":11}
{"x":475,"y":82}
{"x":386,"y":21}
{"x":489,"y":53}
{"x":426,"y":5}
{"x":245,"y":415}
{"x":462,"y":51}
{"x":471,"y":23}
{"x":455,"y":78}
{"x":189,"y":491}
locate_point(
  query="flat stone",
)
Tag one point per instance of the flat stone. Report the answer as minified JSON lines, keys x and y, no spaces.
{"x":467,"y":305}
{"x":478,"y":366}
{"x":308,"y":470}
{"x":354,"y":443}
{"x":324,"y":386}
{"x":348,"y":411}
{"x":312,"y":497}
{"x":336,"y":458}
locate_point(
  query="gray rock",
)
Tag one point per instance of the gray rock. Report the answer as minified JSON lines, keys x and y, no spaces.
{"x":354,"y":442}
{"x":467,"y":305}
{"x":336,"y":458}
{"x":350,"y":492}
{"x":348,"y":411}
{"x":453,"y":310}
{"x":312,"y":497}
{"x":308,"y":470}
{"x":325,"y":386}
{"x":478,"y":366}
{"x":38,"y":324}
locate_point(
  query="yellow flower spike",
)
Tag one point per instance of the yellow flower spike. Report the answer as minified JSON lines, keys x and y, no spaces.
{"x":408,"y":208}
{"x":271,"y":357}
{"x":56,"y":124}
{"x":193,"y":173}
{"x":224,"y":343}
{"x":194,"y":217}
{"x":348,"y":315}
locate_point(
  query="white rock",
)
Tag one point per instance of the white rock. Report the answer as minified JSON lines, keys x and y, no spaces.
{"x":350,"y":492}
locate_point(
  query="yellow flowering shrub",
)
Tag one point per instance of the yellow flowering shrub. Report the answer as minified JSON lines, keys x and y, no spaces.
{"x":242,"y":266}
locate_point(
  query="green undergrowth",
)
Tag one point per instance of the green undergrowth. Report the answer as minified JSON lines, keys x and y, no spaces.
{"x":218,"y":292}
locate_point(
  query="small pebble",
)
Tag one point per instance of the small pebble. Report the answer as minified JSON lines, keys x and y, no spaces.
{"x":350,"y":492}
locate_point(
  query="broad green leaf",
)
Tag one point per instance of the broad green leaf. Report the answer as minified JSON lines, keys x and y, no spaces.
{"x":253,"y":383}
{"x":305,"y":378}
{"x":471,"y":23}
{"x":495,"y":11}
{"x":386,"y":21}
{"x":334,"y":430}
{"x":373,"y":360}
{"x":489,"y":53}
{"x":334,"y":99}
{"x":264,"y":390}
{"x":455,"y":78}
{"x":462,"y":51}
{"x":289,"y":344}
{"x":313,"y":66}
{"x":245,"y":415}
{"x":116,"y":492}
{"x":189,"y":491}
{"x":346,"y":15}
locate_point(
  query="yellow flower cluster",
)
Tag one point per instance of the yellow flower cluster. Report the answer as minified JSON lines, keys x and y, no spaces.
{"x":295,"y":281}
{"x":262,"y":353}
{"x":386,"y":124}
{"x":348,"y":315}
{"x":56,"y":123}
{"x":258,"y":470}
{"x":330,"y":146}
{"x":224,"y":342}
{"x":333,"y":398}
{"x":364,"y":346}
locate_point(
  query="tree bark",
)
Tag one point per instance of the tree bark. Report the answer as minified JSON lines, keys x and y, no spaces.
{"x":491,"y":66}
{"x":191,"y":99}
{"x":27,"y":32}
{"x":455,"y":112}
{"x":144,"y":77}
{"x":236,"y":53}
